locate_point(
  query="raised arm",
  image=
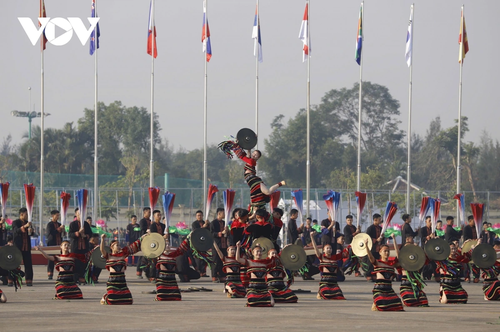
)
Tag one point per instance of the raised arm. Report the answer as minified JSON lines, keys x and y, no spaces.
{"x":316,"y":251}
{"x":369,"y":253}
{"x":221,"y":256}
{"x":44,"y":254}
{"x":396,"y":248}
{"x":240,"y":260}
{"x":103,"y":251}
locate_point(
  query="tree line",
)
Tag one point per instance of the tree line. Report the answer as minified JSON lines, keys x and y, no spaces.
{"x":124,"y":148}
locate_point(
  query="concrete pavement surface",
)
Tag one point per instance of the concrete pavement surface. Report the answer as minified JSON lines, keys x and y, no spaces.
{"x":33,"y":309}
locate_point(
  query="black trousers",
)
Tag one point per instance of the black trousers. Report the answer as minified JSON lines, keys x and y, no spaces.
{"x":217,"y":267}
{"x":28,"y":265}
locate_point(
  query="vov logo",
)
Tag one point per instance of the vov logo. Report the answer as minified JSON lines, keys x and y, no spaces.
{"x":49,"y":24}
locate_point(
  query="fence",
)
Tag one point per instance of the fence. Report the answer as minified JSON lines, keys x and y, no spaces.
{"x":116,"y":205}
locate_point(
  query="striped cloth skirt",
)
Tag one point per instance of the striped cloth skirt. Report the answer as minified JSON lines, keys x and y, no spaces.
{"x":384,"y":297}
{"x":412,"y":295}
{"x":491,"y":289}
{"x":258,"y":294}
{"x":66,"y":288}
{"x":166,"y":287}
{"x":280,"y":292}
{"x":453,"y":290}
{"x":117,"y":291}
{"x":328,"y":287}
{"x":234,"y":282}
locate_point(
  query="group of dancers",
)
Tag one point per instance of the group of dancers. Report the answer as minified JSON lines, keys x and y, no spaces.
{"x":263,"y":278}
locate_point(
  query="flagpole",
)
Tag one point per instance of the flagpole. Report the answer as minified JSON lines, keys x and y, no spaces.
{"x":459,"y":143}
{"x":96,"y":165}
{"x":360,"y":104}
{"x":308,"y":162}
{"x":42,"y":109}
{"x":410,"y":91}
{"x":257,"y":79}
{"x":151,"y":164}
{"x":205,"y":175}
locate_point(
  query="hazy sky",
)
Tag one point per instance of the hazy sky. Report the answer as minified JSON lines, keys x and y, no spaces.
{"x":124,"y":66}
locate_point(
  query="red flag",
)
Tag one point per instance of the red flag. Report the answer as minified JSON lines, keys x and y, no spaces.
{"x":152,"y":33}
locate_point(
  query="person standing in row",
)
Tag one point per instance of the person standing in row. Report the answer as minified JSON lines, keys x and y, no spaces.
{"x":22,"y":230}
{"x":450,"y":234}
{"x":407,"y":229}
{"x":293,"y":232}
{"x":219,"y":233}
{"x":79,"y":235}
{"x":470,"y":233}
{"x":134,"y":233}
{"x":53,"y":233}
{"x":350,"y":231}
{"x":200,"y":264}
{"x":144,"y":225}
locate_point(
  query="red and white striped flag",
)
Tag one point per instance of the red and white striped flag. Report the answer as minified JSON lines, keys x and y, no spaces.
{"x":304,"y":35}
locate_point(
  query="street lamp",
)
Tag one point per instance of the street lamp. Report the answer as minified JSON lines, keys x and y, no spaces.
{"x":30,"y":116}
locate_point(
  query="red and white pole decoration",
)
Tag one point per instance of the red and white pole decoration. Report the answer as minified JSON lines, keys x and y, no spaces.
{"x":81,"y":198}
{"x":154,"y":193}
{"x":4,"y":193}
{"x":29,"y":191}
{"x":65,"y":198}
{"x":212,"y":189}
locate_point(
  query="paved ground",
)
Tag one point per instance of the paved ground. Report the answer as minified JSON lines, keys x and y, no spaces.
{"x":32,"y":309}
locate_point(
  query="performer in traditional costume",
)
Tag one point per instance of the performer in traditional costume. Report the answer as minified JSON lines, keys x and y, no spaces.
{"x":412,"y":283}
{"x":66,"y":287}
{"x":231,"y":267}
{"x":259,"y":192}
{"x":450,"y":269}
{"x":257,"y":293}
{"x":328,"y":287}
{"x":384,"y":297}
{"x":117,"y":291}
{"x":491,"y":284}
{"x":276,"y":273}
{"x":166,"y":285}
{"x":239,"y":234}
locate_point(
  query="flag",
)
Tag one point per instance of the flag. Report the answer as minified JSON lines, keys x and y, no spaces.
{"x":409,"y":39}
{"x":462,"y":40}
{"x":205,"y":33}
{"x":152,"y":33}
{"x":94,"y":41}
{"x":42,"y":14}
{"x":359,"y":39}
{"x":257,"y":42}
{"x":304,"y":35}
